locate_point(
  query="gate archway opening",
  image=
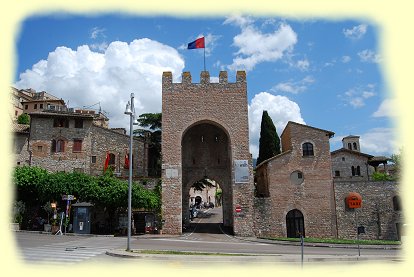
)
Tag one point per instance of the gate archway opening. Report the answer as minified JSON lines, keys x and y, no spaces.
{"x":295,"y":224}
{"x":206,"y":156}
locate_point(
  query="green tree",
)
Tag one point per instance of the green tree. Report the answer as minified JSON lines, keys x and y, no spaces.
{"x":269,"y":143}
{"x":151,"y":129}
{"x":23,"y":119}
{"x":396,"y":159}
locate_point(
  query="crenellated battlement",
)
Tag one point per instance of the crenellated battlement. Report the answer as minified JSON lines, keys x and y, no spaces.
{"x":204,"y":77}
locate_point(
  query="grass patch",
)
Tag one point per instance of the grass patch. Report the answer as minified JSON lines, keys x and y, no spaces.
{"x":188,"y":253}
{"x":339,"y":241}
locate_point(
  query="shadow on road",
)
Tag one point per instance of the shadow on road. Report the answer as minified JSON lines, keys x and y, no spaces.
{"x":210,"y":228}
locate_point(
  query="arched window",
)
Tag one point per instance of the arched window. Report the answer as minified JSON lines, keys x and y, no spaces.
{"x":349,"y":146}
{"x":58,"y":145}
{"x":396,"y":202}
{"x":358,"y":171}
{"x":353,"y":170}
{"x":307,"y":148}
{"x":111,"y":159}
{"x":355,"y":146}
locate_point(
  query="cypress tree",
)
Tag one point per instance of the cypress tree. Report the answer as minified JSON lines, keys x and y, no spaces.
{"x":269,"y":143}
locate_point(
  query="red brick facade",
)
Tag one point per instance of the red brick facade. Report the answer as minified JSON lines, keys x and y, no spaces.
{"x":198,"y":120}
{"x":297,"y":179}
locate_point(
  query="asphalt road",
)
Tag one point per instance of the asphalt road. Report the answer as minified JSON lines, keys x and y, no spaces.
{"x":204,"y":235}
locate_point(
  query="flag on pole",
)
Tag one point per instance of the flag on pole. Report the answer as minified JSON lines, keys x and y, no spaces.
{"x":198,"y":43}
{"x":126,"y":163}
{"x":106,"y":161}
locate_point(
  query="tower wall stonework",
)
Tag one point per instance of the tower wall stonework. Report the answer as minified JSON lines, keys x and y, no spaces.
{"x":222,"y":104}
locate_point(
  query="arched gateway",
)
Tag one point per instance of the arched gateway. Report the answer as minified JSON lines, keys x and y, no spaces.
{"x":205,"y":134}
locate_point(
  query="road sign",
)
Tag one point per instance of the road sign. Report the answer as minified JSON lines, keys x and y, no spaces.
{"x":68,"y":197}
{"x":238,"y":209}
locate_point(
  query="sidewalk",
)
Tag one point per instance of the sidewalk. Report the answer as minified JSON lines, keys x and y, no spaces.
{"x":261,"y":258}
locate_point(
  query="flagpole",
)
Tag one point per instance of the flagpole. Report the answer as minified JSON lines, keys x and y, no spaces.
{"x":204,"y":58}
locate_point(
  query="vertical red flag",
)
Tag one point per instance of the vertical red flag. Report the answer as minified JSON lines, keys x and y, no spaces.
{"x":126,"y":165}
{"x":106,"y":161}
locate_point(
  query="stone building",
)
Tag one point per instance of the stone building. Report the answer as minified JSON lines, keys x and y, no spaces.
{"x":28,"y":101}
{"x":349,"y":162}
{"x":20,"y":148}
{"x":205,"y":135}
{"x":294,"y":189}
{"x":71,"y":141}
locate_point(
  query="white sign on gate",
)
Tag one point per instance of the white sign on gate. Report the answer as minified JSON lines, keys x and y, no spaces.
{"x":241,"y":171}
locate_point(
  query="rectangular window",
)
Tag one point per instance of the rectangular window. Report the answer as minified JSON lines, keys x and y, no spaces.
{"x":39,"y":148}
{"x":61,"y":122}
{"x":93,"y":159}
{"x":41,"y":106}
{"x":77,"y":145}
{"x":78,"y":123}
{"x":58,"y":146}
{"x":337,"y":173}
{"x":35,"y":106}
{"x":26,"y":107}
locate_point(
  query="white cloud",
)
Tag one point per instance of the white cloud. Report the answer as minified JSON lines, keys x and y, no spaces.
{"x":379,"y":142}
{"x":83,"y":77}
{"x":303,"y":64}
{"x":97,"y":32}
{"x":356,"y":32}
{"x":257,"y":47}
{"x":386,"y":109}
{"x":101,"y":47}
{"x":357,"y":96}
{"x":279,"y":108}
{"x":294,"y":87}
{"x":376,"y":142}
{"x":346,"y":59}
{"x":369,"y":56}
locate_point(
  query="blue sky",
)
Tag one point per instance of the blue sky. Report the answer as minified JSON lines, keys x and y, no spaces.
{"x":326,"y":74}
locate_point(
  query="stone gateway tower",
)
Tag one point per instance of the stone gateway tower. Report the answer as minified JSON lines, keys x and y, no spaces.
{"x":205,"y":135}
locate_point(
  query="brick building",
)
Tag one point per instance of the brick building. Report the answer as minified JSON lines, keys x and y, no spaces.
{"x":295,"y":188}
{"x":205,"y":134}
{"x":304,"y":189}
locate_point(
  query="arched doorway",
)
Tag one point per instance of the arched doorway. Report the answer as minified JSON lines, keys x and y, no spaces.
{"x":295,"y":224}
{"x":206,"y":156}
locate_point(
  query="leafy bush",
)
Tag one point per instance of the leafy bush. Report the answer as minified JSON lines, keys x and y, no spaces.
{"x":379,"y":176}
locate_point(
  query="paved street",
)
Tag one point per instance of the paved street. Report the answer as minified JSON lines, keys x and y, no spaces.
{"x":204,"y":235}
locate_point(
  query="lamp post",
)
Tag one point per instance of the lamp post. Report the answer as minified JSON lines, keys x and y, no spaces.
{"x":129,"y":110}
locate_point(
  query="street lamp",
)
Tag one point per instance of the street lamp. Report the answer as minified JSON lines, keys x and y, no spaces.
{"x":129,"y":110}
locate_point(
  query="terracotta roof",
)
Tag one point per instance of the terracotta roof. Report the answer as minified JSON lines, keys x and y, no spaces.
{"x":330,"y":133}
{"x":352,"y":152}
{"x":60,"y":113}
{"x":350,"y":136}
{"x":20,"y":128}
{"x":379,"y":158}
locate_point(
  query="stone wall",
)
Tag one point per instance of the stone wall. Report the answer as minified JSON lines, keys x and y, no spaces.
{"x":96,"y":142}
{"x":377,"y":213}
{"x":224,"y":105}
{"x":342,"y":161}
